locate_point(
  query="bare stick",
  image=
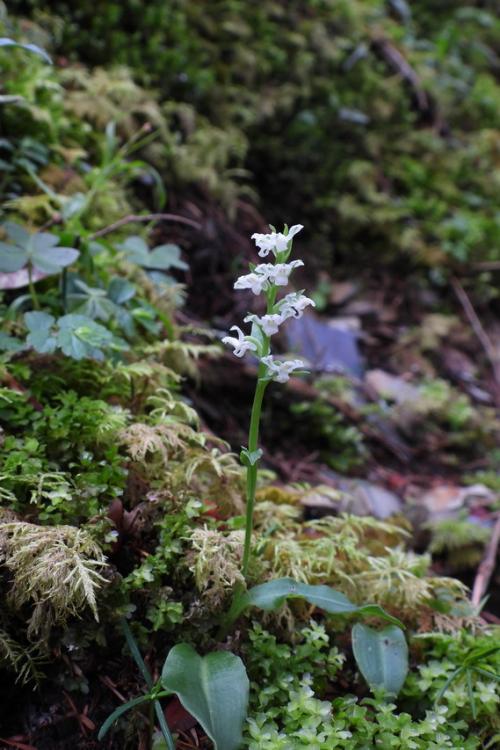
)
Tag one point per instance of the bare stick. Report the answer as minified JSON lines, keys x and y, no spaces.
{"x":145,"y":218}
{"x":478,"y":329}
{"x":487,"y":566}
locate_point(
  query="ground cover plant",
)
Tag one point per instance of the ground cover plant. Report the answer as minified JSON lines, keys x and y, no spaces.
{"x":170,"y":579}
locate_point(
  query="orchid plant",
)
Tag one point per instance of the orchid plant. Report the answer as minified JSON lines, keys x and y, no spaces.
{"x":266,"y":279}
{"x":215,"y":688}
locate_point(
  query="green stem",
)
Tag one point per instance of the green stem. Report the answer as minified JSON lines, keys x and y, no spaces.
{"x":253,"y":440}
{"x":31,"y":286}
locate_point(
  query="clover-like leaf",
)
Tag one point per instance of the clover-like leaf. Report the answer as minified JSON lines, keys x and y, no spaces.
{"x":165,"y":257}
{"x":40,"y":332}
{"x":136,"y":250}
{"x":12,"y":258}
{"x":160,"y":258}
{"x":120,"y":290}
{"x":39,"y":251}
{"x":79,"y":336}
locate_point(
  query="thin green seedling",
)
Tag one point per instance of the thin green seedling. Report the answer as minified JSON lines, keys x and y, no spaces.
{"x":470,"y":667}
{"x":155,"y":692}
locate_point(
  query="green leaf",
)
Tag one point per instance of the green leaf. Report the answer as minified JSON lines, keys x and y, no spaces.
{"x":40,"y":335}
{"x":118,"y":712}
{"x":51,"y":259}
{"x":250,"y":458}
{"x":213,"y":688}
{"x":382,"y":657}
{"x":165,"y":257}
{"x":273,"y":594}
{"x":161,"y":258}
{"x":80,"y":336}
{"x":120,"y":290}
{"x":12,"y":258}
{"x":18,"y":234}
{"x":9,"y":343}
{"x":41,"y":250}
{"x":478,"y":654}
{"x":5,"y":42}
{"x":136,"y":250}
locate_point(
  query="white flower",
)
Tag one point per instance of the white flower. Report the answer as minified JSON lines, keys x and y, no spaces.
{"x":265,"y":274}
{"x":281,"y":272}
{"x":281,"y":371}
{"x":275,"y":242}
{"x":254,"y":281}
{"x":269,"y":323}
{"x":294,"y":304}
{"x":241,"y":344}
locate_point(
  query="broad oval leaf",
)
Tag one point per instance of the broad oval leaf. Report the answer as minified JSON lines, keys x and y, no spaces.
{"x":382,"y":657}
{"x":213,"y":688}
{"x":273,"y":594}
{"x":6,"y":42}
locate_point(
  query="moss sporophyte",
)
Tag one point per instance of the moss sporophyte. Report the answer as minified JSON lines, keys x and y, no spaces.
{"x":266,"y":278}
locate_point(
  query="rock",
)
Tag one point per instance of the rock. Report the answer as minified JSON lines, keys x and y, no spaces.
{"x":358,"y":497}
{"x":391,"y":387}
{"x":327,"y":347}
{"x":342,"y":291}
{"x":444,"y":500}
{"x":373,"y":500}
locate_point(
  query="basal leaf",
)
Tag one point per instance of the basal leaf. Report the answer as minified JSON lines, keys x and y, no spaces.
{"x":5,"y":42}
{"x":273,"y":594}
{"x":382,"y":657}
{"x":213,"y":688}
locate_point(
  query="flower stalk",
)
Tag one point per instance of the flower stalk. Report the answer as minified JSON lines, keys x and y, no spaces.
{"x":266,"y":278}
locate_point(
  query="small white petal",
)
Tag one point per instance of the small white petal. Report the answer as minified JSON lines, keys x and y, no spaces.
{"x":281,"y":371}
{"x":294,"y":230}
{"x":294,"y":304}
{"x":256,"y":282}
{"x":281,"y":272}
{"x":269,"y":323}
{"x":240,"y":345}
{"x":275,"y":242}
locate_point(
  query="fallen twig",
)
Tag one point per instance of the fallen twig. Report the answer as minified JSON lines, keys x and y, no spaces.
{"x":481,"y":334}
{"x":487,"y":566}
{"x":138,"y":218}
{"x":400,"y":64}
